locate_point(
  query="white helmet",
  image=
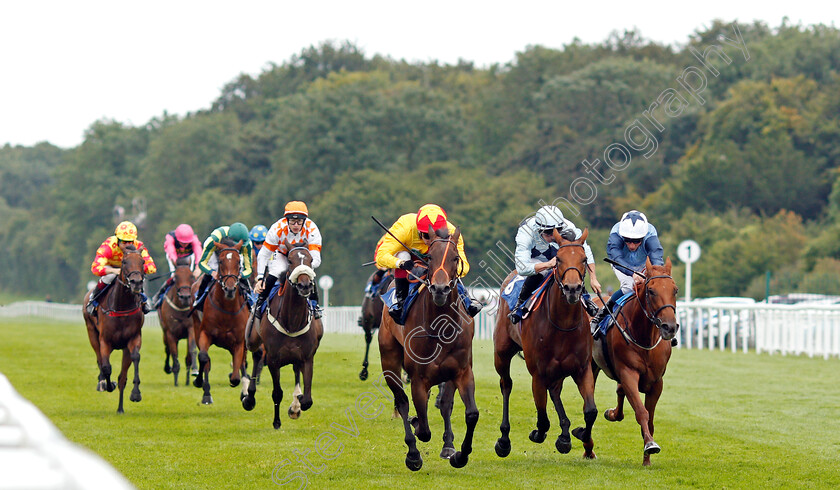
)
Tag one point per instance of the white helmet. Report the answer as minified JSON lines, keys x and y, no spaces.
{"x":633,"y":225}
{"x":548,"y":218}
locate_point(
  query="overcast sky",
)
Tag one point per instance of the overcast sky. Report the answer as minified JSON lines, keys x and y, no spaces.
{"x":67,"y":64}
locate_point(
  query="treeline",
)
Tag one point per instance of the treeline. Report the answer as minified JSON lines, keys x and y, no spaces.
{"x":732,"y":140}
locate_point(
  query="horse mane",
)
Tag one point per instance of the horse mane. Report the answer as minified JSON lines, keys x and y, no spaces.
{"x":228,"y":241}
{"x":130,"y":248}
{"x":182,"y":261}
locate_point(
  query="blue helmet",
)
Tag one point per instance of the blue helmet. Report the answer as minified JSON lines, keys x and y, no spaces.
{"x":258,"y":233}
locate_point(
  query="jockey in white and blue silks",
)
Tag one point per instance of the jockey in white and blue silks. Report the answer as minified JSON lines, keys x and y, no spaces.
{"x":536,"y":253}
{"x":632,"y":240}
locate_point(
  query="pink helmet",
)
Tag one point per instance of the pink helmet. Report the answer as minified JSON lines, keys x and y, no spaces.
{"x":184,"y":233}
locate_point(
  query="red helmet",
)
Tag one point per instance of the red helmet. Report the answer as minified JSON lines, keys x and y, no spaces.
{"x":430,"y":215}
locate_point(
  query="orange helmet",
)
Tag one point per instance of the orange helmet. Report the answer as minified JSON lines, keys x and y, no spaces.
{"x":126,"y":231}
{"x":430,"y":215}
{"x":296,"y":209}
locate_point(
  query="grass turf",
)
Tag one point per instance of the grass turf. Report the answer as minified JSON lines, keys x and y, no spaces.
{"x":724,"y":420}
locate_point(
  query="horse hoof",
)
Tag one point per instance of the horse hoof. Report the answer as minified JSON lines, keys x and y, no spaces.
{"x":198,"y":382}
{"x":294,"y":414}
{"x":415,"y":464}
{"x":135,"y":397}
{"x":563,"y":445}
{"x":167,"y":370}
{"x":276,"y":424}
{"x":194,"y":373}
{"x":207,"y":400}
{"x":578,"y":432}
{"x":589,"y":455}
{"x":502,"y":448}
{"x":459,"y":460}
{"x":609,"y":414}
{"x":537,"y":436}
{"x":305,"y":405}
{"x":364,"y":374}
{"x":111,"y":386}
{"x":100,"y":386}
{"x":447,"y":452}
{"x":120,"y":411}
{"x":248,"y":403}
{"x":234,"y":382}
{"x":652,"y":448}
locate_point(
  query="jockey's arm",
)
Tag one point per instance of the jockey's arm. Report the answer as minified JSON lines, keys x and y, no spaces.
{"x":465,"y":265}
{"x":593,"y":279}
{"x":111,"y":270}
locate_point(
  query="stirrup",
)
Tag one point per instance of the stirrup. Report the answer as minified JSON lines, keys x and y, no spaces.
{"x":90,"y":308}
{"x":474,"y":308}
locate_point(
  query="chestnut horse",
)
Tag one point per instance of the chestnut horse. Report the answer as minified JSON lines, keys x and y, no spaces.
{"x":223,"y":321}
{"x":371,"y":317}
{"x":634,"y":353}
{"x":434,"y":346}
{"x":288,"y":334}
{"x":176,"y":321}
{"x":556,"y":342}
{"x":117,"y":323}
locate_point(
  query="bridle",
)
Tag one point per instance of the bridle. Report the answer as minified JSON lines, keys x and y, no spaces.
{"x":224,"y":277}
{"x":556,"y":270}
{"x":654,"y":318}
{"x":450,"y":281}
{"x":127,"y":275}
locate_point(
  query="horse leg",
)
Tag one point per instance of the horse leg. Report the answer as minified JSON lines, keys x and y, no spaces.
{"x":93,"y":337}
{"x":105,"y":365}
{"x":134,"y":347}
{"x":466,"y":386}
{"x":172,"y":348}
{"x":249,"y":385}
{"x":294,"y":408}
{"x":166,"y":368}
{"x":446,"y":397}
{"x":651,"y":398}
{"x":502,"y":361}
{"x":238,"y":366}
{"x":586,"y":386}
{"x":363,"y":375}
{"x":420,"y":396}
{"x":306,"y":398}
{"x":192,"y":355}
{"x":203,"y":346}
{"x":630,"y":384}
{"x":123,"y":377}
{"x":540,"y":399}
{"x":391,"y":358}
{"x":616,"y":414}
{"x":276,"y":393}
{"x":564,"y":440}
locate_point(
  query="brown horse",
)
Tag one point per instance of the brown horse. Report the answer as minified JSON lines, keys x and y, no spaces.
{"x":556,"y":343}
{"x":176,"y":321}
{"x":371,"y":317}
{"x":289,"y":335}
{"x":223,"y":321}
{"x":434,"y":346}
{"x":634,"y":353}
{"x":117,"y":324}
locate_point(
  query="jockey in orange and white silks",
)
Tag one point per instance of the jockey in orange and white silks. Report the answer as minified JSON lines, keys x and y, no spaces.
{"x":109,"y":257}
{"x":295,"y":227}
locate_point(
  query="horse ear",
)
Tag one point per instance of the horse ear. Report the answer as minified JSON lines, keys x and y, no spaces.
{"x":431,"y":231}
{"x":583,"y":235}
{"x":455,"y":236}
{"x":218,"y":245}
{"x":668,"y":266}
{"x":238,"y":245}
{"x":648,"y":265}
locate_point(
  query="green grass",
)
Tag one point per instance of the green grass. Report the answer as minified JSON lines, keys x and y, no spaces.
{"x":724,"y":420}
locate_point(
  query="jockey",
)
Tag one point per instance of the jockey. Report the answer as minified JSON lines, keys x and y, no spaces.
{"x":294,"y":227}
{"x":412,"y":230}
{"x":179,"y":243}
{"x":536,"y":254}
{"x":257,"y":236}
{"x":632,"y":241}
{"x":209,"y":261}
{"x":109,"y":257}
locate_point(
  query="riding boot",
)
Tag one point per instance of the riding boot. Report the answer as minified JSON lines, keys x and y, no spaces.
{"x":596,"y":321}
{"x":93,"y":301}
{"x":199,"y":294}
{"x":245,"y":287}
{"x":156,"y":299}
{"x":144,"y":305}
{"x":268,"y":285}
{"x":528,"y":287}
{"x":590,"y":306}
{"x":317,"y":311}
{"x":400,"y":294}
{"x":515,"y":315}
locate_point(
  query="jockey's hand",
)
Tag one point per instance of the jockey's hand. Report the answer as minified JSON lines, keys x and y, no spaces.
{"x":259,"y":286}
{"x":214,"y":274}
{"x":546,"y":265}
{"x":112,"y":270}
{"x":596,"y":286}
{"x":196,"y":272}
{"x":406,"y":265}
{"x":638,"y":279}
{"x":419,"y":271}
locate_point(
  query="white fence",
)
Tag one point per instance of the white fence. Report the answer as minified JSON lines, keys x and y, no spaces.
{"x":771,"y":328}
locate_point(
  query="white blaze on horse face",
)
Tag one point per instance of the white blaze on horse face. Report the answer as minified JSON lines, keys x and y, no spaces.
{"x":301,"y":257}
{"x":229,"y":255}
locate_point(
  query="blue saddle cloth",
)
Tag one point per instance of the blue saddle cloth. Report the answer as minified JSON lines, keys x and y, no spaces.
{"x":413,"y":291}
{"x":606,"y":322}
{"x":514,"y":287}
{"x":274,"y":290}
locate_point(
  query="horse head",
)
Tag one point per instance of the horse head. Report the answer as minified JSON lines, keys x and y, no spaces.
{"x":571,"y":265}
{"x":183,"y":281}
{"x":229,"y":258}
{"x":658,"y":295}
{"x":302,"y":275}
{"x":132,"y":271}
{"x":443,"y":263}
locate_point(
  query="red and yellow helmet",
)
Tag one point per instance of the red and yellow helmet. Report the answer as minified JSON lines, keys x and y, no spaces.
{"x":430,"y":215}
{"x":296,"y":209}
{"x":126,"y":231}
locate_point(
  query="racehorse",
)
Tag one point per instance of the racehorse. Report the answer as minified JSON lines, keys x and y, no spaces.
{"x":633,"y":352}
{"x":288,"y":334}
{"x":176,"y":321}
{"x":117,"y":324}
{"x":556,"y":343}
{"x":223,"y":321}
{"x":371,"y":318}
{"x":434,"y":346}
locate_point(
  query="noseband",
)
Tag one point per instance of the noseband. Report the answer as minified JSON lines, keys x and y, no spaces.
{"x":449,"y":282}
{"x":560,"y":276}
{"x":654,"y":318}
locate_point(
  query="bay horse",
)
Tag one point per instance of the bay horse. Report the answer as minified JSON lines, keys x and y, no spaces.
{"x":288,"y":334}
{"x":371,"y":317}
{"x":117,"y":323}
{"x":177,"y":322}
{"x":556,"y":343}
{"x":434,"y":346}
{"x":633,"y":352}
{"x":223,"y":320}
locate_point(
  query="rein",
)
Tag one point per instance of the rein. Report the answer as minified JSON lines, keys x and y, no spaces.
{"x":652,"y":318}
{"x":274,"y":321}
{"x":558,"y":280}
{"x":218,"y":307}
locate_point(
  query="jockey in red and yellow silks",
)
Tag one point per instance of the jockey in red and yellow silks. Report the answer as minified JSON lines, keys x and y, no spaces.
{"x":413,"y":230}
{"x":109,"y":257}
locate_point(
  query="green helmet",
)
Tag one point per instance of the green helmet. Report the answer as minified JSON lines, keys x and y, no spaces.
{"x":239,"y":231}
